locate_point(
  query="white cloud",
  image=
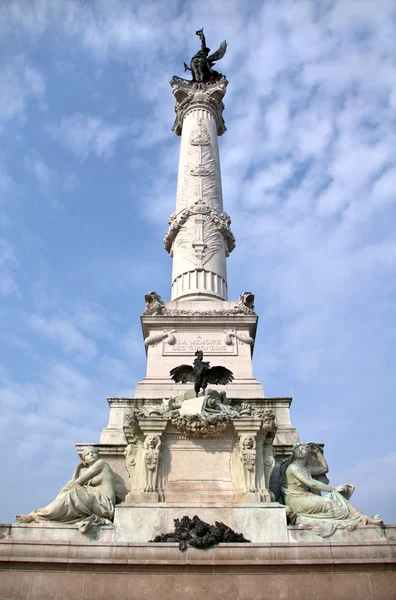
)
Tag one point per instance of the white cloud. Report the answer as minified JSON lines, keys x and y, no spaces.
{"x":8,"y":261}
{"x":19,"y":81}
{"x":5,"y":179}
{"x":43,"y":174}
{"x":65,"y":333}
{"x":30,"y":15}
{"x":85,"y":135}
{"x":371,"y":475}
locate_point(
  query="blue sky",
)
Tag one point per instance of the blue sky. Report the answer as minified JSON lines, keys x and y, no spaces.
{"x":88,"y":167}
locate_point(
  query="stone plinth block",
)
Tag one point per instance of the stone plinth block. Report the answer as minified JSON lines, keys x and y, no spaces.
{"x":140,"y":523}
{"x":211,"y":326}
{"x":104,"y":570}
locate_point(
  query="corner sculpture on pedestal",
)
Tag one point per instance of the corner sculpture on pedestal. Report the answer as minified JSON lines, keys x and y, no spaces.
{"x":87,"y":500}
{"x":301,"y":489}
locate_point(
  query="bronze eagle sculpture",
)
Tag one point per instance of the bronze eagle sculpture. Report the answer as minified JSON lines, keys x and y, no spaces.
{"x":201,"y":374}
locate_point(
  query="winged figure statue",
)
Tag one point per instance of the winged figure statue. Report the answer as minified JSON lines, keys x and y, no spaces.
{"x":201,"y":64}
{"x":201,"y":374}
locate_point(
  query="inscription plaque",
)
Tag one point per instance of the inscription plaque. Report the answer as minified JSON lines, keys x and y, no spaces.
{"x":200,"y":466}
{"x":209,"y":343}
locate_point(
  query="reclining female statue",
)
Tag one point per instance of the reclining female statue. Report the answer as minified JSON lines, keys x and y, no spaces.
{"x":87,"y":500}
{"x":300,"y":491}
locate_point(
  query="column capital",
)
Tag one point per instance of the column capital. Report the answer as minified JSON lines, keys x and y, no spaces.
{"x":191,"y":95}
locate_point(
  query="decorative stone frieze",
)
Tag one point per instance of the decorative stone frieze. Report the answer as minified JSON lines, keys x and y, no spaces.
{"x":212,"y":221}
{"x":244,"y":306}
{"x":201,"y":426}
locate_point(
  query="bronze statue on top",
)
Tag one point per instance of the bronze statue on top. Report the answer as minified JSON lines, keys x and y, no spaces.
{"x":201,"y":64}
{"x":201,"y":374}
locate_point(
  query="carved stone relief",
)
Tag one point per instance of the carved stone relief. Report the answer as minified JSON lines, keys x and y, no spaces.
{"x":200,"y":172}
{"x":156,"y":338}
{"x":201,"y":426}
{"x":231,"y":334}
{"x":199,"y":240}
{"x":154,"y":304}
{"x":130,"y":454}
{"x":247,"y":446}
{"x":269,"y":464}
{"x":246,"y":303}
{"x":212,"y":221}
{"x":152,"y":445}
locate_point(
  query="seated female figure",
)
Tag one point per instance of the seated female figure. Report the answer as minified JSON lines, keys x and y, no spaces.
{"x":301,"y":494}
{"x":87,"y":500}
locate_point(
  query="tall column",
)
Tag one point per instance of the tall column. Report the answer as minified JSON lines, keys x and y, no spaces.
{"x":199,"y":237}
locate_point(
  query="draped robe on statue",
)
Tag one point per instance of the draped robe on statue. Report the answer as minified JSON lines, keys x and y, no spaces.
{"x":78,"y":504}
{"x":322,"y":514}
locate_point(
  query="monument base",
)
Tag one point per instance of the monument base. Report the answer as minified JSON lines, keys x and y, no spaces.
{"x":96,"y":570}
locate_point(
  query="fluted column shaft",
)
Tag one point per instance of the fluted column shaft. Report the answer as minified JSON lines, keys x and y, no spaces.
{"x":199,"y":237}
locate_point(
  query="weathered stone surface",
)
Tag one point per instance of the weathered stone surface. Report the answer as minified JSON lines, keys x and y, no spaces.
{"x":110,"y":571}
{"x":139,"y":523}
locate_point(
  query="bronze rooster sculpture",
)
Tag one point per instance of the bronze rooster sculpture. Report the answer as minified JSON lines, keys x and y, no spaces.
{"x":201,"y":374}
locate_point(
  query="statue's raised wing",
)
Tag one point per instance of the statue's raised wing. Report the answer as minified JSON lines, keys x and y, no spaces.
{"x":219,"y":375}
{"x":218,"y":54}
{"x":183,"y":374}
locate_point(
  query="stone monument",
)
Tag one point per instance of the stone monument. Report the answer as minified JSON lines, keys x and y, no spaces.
{"x":199,"y":437}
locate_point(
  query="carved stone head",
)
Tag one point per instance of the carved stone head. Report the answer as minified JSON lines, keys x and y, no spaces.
{"x":301,"y":450}
{"x":151,"y":298}
{"x":247,"y":299}
{"x":90,"y":455}
{"x":248,"y":442}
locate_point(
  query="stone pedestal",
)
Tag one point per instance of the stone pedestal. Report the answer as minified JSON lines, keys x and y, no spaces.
{"x":258,"y":523}
{"x":225,"y":336}
{"x":74,"y":568}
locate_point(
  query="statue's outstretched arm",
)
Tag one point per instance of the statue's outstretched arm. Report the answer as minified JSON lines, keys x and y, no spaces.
{"x":315,"y":471}
{"x":201,"y":35}
{"x":307,"y":480}
{"x":186,"y":67}
{"x":317,"y":454}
